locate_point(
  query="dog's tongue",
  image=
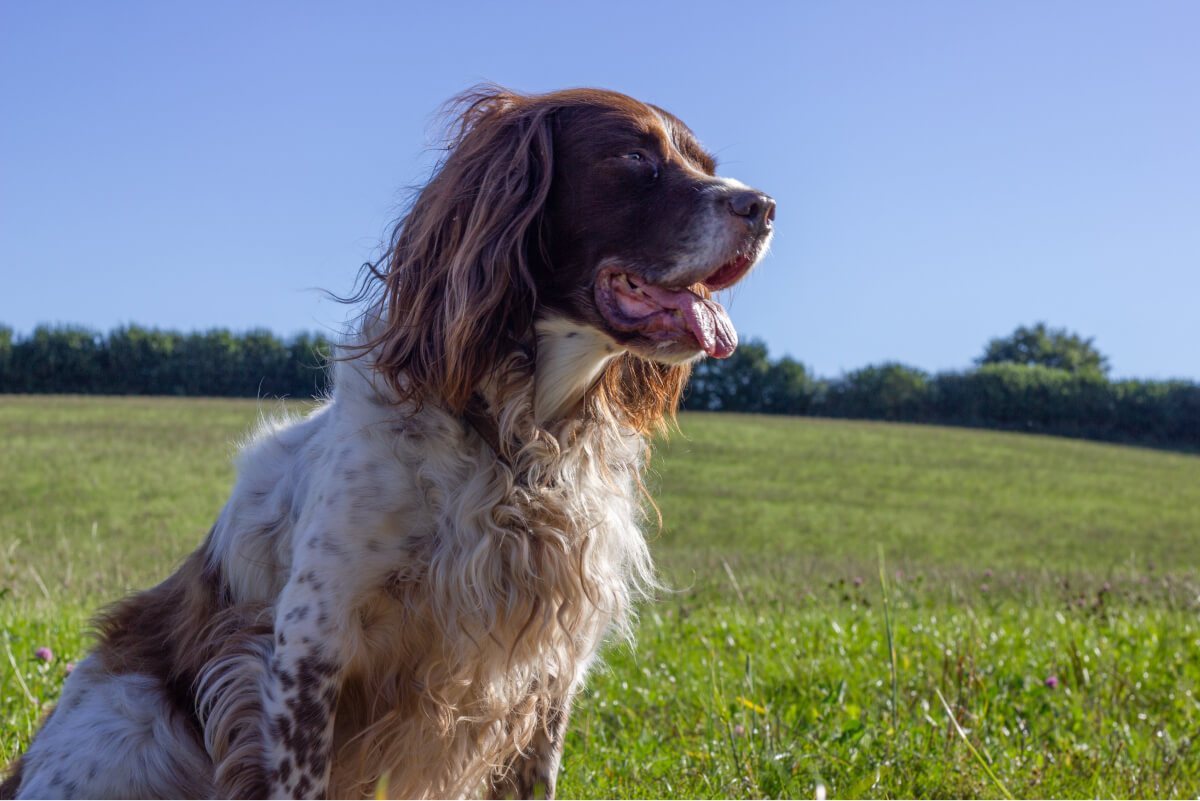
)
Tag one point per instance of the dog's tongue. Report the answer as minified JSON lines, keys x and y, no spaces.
{"x":706,"y":318}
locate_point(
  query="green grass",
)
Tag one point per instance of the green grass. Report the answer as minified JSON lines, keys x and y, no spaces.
{"x":1009,"y":559}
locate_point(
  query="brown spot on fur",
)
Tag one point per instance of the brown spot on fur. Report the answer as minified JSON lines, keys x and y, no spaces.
{"x":281,"y":727}
{"x":322,"y":614}
{"x":159,"y":632}
{"x":297,"y":613}
{"x":304,"y":733}
{"x":9,"y":787}
{"x":172,"y":632}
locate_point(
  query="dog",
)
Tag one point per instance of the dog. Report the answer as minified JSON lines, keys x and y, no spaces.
{"x":408,"y":586}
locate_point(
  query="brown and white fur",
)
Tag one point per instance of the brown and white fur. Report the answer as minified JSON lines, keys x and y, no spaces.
{"x":408,"y":585}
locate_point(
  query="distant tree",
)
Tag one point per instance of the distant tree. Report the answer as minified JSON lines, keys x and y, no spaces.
{"x":7,"y":378}
{"x":307,"y":355}
{"x":1056,"y":348}
{"x":140,"y":362}
{"x":748,"y":381}
{"x":265,"y":361}
{"x":788,"y":388}
{"x":59,"y":359}
{"x":731,"y":384}
{"x":887,"y":391}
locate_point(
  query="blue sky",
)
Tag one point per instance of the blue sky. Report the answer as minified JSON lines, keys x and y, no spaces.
{"x":944,"y":171}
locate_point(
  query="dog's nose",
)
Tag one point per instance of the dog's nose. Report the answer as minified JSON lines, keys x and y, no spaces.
{"x":757,"y":209}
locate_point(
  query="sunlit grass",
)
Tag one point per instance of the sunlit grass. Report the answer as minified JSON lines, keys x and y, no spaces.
{"x":1009,"y":561}
{"x":768,"y":700}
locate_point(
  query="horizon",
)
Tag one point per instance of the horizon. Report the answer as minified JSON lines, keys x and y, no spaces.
{"x":333,"y":338}
{"x":944,"y":174}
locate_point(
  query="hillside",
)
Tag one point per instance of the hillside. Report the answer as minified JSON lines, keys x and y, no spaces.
{"x":1045,"y":588}
{"x":804,"y":491}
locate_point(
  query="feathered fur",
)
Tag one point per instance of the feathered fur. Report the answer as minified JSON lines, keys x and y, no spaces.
{"x":389,"y":600}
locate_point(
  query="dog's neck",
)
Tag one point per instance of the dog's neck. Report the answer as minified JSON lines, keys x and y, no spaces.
{"x":570,"y":357}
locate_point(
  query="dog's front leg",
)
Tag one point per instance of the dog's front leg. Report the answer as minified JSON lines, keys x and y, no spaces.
{"x":302,"y":687}
{"x":534,"y":773}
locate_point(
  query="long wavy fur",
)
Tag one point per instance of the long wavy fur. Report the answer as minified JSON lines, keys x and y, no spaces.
{"x":455,"y":289}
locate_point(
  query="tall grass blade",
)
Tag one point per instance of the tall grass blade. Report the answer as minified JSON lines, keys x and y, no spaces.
{"x":17,"y":673}
{"x":887,"y":624}
{"x":978,"y":757}
{"x":733,"y":580}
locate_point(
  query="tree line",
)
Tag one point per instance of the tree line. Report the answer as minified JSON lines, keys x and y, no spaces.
{"x":138,"y":361}
{"x":1037,"y":379}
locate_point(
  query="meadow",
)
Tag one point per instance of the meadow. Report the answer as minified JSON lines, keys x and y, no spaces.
{"x":858,"y":609}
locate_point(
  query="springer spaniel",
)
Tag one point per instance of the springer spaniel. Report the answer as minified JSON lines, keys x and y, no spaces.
{"x":408,"y":586}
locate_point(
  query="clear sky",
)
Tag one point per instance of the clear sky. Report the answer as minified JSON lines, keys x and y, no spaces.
{"x":945,"y":171}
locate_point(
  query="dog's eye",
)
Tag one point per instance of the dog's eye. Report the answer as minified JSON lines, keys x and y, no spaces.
{"x":641,"y":158}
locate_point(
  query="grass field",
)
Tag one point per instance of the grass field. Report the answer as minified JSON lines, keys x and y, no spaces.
{"x":1040,"y":596}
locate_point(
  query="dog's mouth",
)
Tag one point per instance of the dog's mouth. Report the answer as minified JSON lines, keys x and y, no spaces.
{"x":663,"y":314}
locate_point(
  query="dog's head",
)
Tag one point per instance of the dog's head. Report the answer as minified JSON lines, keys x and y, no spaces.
{"x":583,"y":205}
{"x":640,"y":229}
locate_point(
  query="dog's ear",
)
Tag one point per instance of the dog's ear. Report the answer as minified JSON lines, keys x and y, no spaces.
{"x":459,"y":290}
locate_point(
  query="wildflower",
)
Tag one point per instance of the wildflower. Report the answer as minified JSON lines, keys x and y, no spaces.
{"x":70,"y":668}
{"x":1052,"y":682}
{"x":988,"y":572}
{"x":858,"y":581}
{"x":739,"y":730}
{"x":44,"y":654}
{"x":983,"y":587}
